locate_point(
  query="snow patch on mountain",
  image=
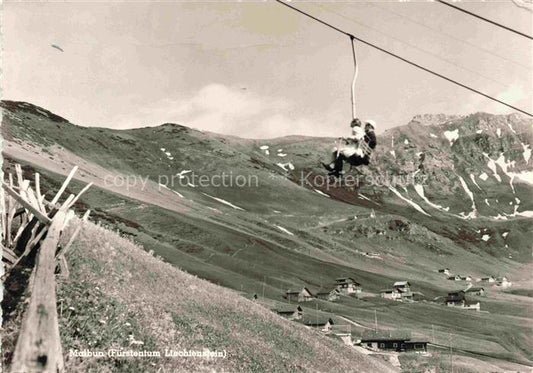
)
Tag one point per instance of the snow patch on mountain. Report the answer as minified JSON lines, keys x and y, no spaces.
{"x":525,"y":214}
{"x":286,"y":166}
{"x":415,"y":205}
{"x":505,"y":165}
{"x":179,"y":194}
{"x":473,"y":178}
{"x":511,"y":128}
{"x":265,"y":149}
{"x":321,"y":193}
{"x":527,"y":152}
{"x":433,"y":135}
{"x":182,"y":173}
{"x":479,"y":131}
{"x":224,"y":202}
{"x":284,"y":230}
{"x":167,"y":153}
{"x":484,"y":176}
{"x":452,"y":135}
{"x":487,"y":202}
{"x":485,"y":237}
{"x":362,"y":196}
{"x":473,"y":213}
{"x":420,"y":191}
{"x":499,"y":132}
{"x":492,"y":166}
{"x":526,"y":176}
{"x":173,"y":191}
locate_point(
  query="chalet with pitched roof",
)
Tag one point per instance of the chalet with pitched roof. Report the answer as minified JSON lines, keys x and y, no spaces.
{"x":445,"y":271}
{"x":348,"y":286}
{"x":454,"y":278}
{"x":344,"y":332}
{"x":401,"y":290}
{"x":391,"y":294}
{"x":302,"y":295}
{"x":404,"y":286}
{"x":324,"y":324}
{"x":503,"y":282}
{"x":458,"y":299}
{"x":478,"y":291}
{"x":291,"y":312}
{"x":488,"y":279}
{"x":330,"y":295}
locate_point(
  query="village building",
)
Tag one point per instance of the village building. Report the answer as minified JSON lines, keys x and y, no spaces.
{"x":330,"y":295}
{"x":404,"y":286}
{"x":394,"y":344}
{"x":321,"y":323}
{"x":465,"y":278}
{"x":478,"y":291}
{"x":343,"y":332}
{"x":455,"y":297}
{"x":454,"y":278}
{"x":391,"y":294}
{"x":458,"y":299}
{"x":290,"y":312}
{"x":419,"y":346}
{"x":401,"y":290}
{"x":302,"y":295}
{"x":503,"y":282}
{"x":488,"y":279}
{"x":348,"y":286}
{"x":445,"y":271}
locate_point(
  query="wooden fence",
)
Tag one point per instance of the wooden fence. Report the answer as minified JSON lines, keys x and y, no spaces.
{"x":31,"y":222}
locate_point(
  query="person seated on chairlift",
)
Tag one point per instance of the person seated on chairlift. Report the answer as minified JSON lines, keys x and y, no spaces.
{"x":355,"y":150}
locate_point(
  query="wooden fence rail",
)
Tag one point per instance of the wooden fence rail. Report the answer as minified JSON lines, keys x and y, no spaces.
{"x":38,"y":347}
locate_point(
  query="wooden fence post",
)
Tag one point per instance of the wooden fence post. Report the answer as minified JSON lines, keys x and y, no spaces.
{"x":38,"y":346}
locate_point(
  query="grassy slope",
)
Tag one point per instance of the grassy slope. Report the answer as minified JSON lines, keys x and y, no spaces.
{"x":118,"y":290}
{"x":219,"y":249}
{"x":473,"y":333}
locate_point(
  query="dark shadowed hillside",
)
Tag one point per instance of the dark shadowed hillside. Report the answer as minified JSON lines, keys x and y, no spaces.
{"x":442,"y":191}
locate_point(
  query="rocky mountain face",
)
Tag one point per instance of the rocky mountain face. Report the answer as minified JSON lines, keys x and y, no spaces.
{"x":440,"y":192}
{"x":476,"y":166}
{"x":482,"y":160}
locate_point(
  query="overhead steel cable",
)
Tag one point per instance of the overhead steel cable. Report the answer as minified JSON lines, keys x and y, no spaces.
{"x":485,"y":19}
{"x":440,"y":32}
{"x":415,"y":47}
{"x":404,"y":59}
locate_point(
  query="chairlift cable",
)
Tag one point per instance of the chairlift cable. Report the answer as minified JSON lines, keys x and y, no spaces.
{"x":485,"y":19}
{"x":404,"y":59}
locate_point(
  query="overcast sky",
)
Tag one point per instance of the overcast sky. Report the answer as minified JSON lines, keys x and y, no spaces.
{"x":259,"y":69}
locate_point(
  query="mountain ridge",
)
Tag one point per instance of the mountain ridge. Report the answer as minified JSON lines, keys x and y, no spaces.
{"x":288,"y":233}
